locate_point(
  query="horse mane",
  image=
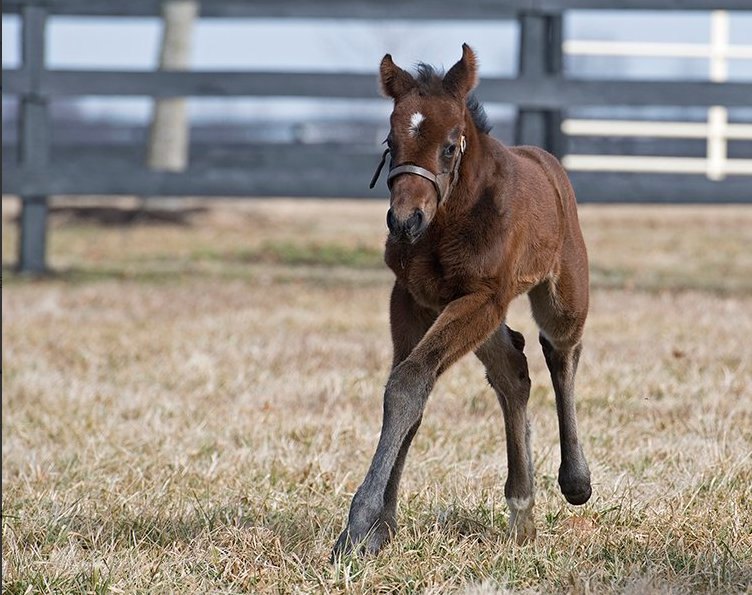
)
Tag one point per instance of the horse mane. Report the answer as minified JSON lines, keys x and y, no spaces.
{"x":429,"y":83}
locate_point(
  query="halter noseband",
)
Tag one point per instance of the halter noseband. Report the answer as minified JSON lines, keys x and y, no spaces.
{"x":440,"y":183}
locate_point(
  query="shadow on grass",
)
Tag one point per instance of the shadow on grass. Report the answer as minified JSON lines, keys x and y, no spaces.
{"x":83,"y":275}
{"x":316,"y":254}
{"x":281,"y":261}
{"x":113,"y":216}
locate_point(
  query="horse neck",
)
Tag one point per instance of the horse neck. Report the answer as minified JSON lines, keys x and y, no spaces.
{"x":476,"y":168}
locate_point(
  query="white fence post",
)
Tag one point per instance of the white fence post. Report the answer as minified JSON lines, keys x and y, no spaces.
{"x":718,"y":115}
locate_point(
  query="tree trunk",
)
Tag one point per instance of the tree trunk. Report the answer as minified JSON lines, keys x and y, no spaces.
{"x":168,"y":136}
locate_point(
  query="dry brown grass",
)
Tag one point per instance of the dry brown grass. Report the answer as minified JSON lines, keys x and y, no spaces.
{"x":189,"y":409}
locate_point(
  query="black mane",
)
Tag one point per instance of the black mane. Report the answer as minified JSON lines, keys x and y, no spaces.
{"x":429,"y":83}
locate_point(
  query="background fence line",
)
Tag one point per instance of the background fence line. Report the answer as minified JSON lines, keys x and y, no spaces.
{"x":541,"y":93}
{"x":717,"y":132}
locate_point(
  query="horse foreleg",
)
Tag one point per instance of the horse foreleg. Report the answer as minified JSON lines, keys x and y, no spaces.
{"x":460,"y":328}
{"x":409,"y":323}
{"x":370,"y":523}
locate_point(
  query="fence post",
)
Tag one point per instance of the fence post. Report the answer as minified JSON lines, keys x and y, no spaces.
{"x":34,"y":141}
{"x":540,"y":56}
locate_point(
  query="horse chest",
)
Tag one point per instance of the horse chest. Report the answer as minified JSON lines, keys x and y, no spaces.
{"x":424,"y":273}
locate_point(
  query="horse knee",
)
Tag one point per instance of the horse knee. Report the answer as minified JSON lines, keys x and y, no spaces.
{"x":561,"y":358}
{"x":407,"y":389}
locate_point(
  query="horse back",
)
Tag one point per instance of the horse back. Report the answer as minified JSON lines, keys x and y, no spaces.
{"x":545,"y":179}
{"x":541,"y":206}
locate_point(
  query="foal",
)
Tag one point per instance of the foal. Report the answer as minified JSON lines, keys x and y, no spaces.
{"x":472,"y":224}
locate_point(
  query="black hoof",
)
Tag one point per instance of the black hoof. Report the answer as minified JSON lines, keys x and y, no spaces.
{"x":574,"y":481}
{"x":578,"y":497}
{"x":343,"y":547}
{"x":363,"y":545}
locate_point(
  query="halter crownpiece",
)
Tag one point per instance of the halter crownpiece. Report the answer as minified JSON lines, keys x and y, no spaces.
{"x":443,"y":190}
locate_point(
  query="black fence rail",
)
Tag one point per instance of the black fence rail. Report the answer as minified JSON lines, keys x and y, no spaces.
{"x":540,"y":91}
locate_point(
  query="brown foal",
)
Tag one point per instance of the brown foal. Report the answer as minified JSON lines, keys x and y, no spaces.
{"x":472,"y":224}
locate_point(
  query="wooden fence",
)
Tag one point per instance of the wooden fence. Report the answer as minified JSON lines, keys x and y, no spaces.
{"x":540,"y":91}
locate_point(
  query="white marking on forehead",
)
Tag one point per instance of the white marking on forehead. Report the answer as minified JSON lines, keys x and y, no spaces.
{"x":415,"y":121}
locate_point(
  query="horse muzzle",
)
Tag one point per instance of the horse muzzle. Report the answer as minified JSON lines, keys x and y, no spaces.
{"x":409,"y":228}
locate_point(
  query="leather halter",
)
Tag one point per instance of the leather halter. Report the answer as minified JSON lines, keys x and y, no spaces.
{"x":443,"y":182}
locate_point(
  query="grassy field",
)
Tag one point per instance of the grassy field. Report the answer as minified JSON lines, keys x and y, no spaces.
{"x":190,"y":401}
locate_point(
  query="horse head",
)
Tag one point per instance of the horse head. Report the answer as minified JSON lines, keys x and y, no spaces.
{"x":430,"y":127}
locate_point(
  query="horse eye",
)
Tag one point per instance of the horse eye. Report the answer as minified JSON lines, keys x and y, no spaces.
{"x":449,"y":150}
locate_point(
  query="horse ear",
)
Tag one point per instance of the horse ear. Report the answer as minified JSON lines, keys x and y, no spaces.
{"x":395,"y":82}
{"x":463,"y":76}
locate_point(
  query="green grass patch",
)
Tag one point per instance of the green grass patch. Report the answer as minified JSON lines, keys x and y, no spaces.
{"x":316,"y":254}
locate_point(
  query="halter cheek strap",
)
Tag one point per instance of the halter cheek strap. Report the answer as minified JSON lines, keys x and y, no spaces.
{"x":377,"y":173}
{"x":441,"y":184}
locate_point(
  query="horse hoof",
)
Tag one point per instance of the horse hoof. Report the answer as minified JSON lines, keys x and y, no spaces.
{"x":342,"y":547}
{"x":524,"y":535}
{"x":364,"y":545}
{"x":522,"y":528}
{"x":578,"y":498}
{"x":575,"y":485}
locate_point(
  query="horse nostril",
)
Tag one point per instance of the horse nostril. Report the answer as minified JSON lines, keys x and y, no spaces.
{"x":391,"y":221}
{"x":414,"y":222}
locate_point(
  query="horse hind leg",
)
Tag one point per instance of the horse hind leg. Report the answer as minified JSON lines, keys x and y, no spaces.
{"x":574,"y":474}
{"x":507,"y":372}
{"x":561,"y":322}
